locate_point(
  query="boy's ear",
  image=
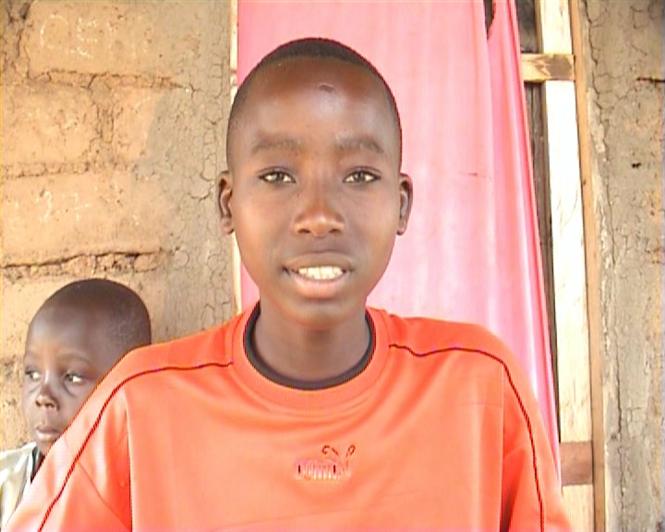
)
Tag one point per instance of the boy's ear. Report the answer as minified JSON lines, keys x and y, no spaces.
{"x":224,"y":199}
{"x":405,"y":202}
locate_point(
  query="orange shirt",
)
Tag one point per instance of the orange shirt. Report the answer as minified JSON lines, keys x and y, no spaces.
{"x":439,"y":431}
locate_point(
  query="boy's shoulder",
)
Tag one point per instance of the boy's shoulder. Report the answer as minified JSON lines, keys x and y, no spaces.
{"x":211,"y":347}
{"x":151,"y":370}
{"x":476,"y":356}
{"x":430,"y":334}
{"x":12,"y":459}
{"x":16,"y":467}
{"x":424,"y":337}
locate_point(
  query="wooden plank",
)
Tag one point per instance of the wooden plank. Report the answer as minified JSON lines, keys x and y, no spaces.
{"x":526,"y":25}
{"x":576,"y":463}
{"x":567,"y":230}
{"x":568,"y":264}
{"x":554,"y":23}
{"x":593,"y":270}
{"x":569,"y":253}
{"x":578,"y":500}
{"x":537,"y":68}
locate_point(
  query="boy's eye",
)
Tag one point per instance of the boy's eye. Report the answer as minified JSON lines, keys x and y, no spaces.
{"x":277,"y":177}
{"x":32,"y":375}
{"x":361,"y":176}
{"x":73,"y":378}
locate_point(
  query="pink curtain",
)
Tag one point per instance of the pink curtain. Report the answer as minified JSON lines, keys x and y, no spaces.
{"x":471,"y":251}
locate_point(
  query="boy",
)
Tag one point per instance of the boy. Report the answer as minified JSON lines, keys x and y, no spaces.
{"x":309,"y":411}
{"x":75,"y":337}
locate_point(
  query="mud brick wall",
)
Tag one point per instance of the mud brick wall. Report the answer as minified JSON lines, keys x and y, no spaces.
{"x":626,"y":90}
{"x":113,"y":117}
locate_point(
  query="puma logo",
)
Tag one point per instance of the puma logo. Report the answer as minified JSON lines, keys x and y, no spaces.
{"x":331,"y":465}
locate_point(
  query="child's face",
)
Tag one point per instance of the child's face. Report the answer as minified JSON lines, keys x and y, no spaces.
{"x":65,"y":356}
{"x":315,"y":194}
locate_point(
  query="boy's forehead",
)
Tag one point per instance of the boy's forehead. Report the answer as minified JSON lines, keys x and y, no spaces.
{"x":71,"y":327}
{"x":54,"y":316}
{"x":297,"y":72}
{"x":314,"y":86}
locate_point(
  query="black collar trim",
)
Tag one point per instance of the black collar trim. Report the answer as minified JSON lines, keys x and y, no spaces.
{"x":270,"y":374}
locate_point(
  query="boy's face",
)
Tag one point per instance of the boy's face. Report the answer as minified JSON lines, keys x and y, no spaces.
{"x":315,"y":195}
{"x":65,"y":356}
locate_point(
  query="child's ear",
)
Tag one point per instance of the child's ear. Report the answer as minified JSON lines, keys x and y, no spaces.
{"x":405,"y":201}
{"x":224,"y":199}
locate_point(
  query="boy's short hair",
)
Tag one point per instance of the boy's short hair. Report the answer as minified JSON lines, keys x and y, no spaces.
{"x":311,"y":47}
{"x":126,"y":317}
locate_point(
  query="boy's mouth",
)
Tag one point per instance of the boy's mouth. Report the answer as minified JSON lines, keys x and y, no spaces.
{"x":319,"y":281}
{"x":320,"y":273}
{"x":46,"y":433}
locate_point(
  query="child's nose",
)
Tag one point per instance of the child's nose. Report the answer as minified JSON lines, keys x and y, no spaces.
{"x":45,"y":396}
{"x":318,"y":211}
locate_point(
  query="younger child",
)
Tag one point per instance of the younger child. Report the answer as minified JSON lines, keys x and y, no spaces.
{"x":309,"y":411}
{"x":75,"y":337}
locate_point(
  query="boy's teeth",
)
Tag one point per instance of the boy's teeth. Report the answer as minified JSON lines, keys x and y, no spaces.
{"x":321,"y":273}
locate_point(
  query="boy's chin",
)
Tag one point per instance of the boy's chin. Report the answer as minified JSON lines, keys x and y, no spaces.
{"x":321,"y":316}
{"x":44,"y":448}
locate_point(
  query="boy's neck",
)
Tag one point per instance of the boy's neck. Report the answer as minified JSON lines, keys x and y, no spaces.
{"x":306,"y":357}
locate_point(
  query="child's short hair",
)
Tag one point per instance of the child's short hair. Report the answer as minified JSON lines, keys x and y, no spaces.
{"x":127,"y":321}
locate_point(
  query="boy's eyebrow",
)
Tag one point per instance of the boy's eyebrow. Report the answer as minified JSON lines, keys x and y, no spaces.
{"x":276,"y":142}
{"x":357,"y":143}
{"x":281,"y":142}
{"x":76,"y":356}
{"x":67,"y":356}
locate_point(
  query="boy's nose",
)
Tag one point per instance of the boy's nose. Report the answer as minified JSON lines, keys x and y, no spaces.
{"x":45,"y":396}
{"x":317,"y":212}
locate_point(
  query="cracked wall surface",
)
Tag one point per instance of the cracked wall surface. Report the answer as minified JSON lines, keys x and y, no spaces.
{"x":113,"y":119}
{"x":626,"y":87}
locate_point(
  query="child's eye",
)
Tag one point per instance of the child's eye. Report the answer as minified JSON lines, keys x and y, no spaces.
{"x":277,"y":177}
{"x":32,"y":375}
{"x":361,"y":176}
{"x":73,"y":378}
